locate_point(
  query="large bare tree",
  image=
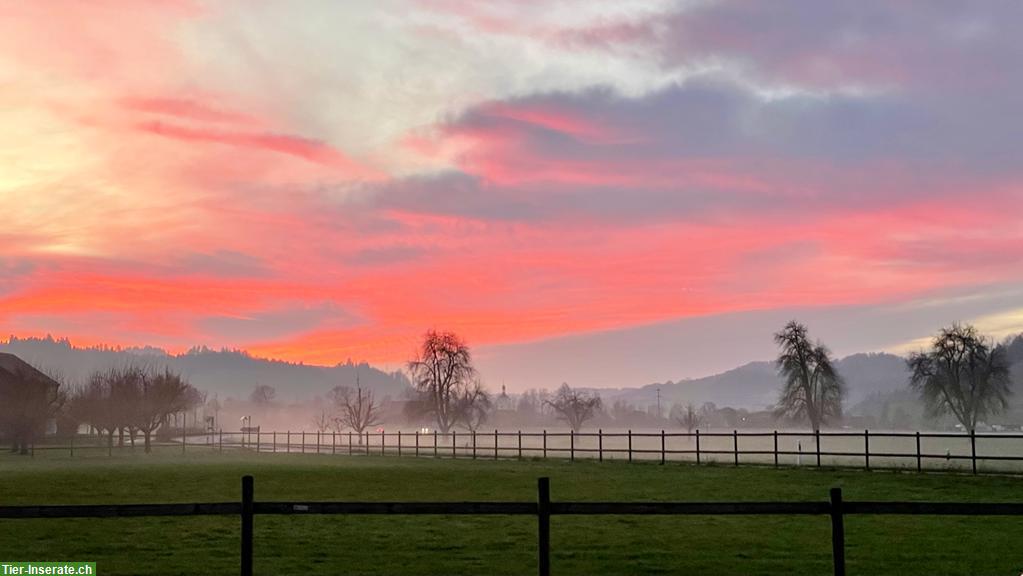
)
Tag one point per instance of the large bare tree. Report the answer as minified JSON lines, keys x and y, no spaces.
{"x":962,"y":374}
{"x":575,"y":407}
{"x":813,"y":389}
{"x":442,"y":372}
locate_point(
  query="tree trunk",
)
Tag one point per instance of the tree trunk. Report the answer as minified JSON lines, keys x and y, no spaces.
{"x":148,"y":435}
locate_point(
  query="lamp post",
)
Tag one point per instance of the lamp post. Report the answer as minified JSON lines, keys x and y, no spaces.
{"x":246,"y":428}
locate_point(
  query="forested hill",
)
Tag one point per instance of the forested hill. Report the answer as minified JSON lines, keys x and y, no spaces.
{"x":228,"y":373}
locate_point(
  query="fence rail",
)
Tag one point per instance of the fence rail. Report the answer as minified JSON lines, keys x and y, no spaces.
{"x":990,"y":452}
{"x":543,"y":509}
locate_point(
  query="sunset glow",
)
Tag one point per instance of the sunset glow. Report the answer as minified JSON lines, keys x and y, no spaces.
{"x":317,"y":185}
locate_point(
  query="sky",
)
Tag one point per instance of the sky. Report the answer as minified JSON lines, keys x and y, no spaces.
{"x":603,"y":192}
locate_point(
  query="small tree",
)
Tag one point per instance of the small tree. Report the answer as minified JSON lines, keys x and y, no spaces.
{"x":162,"y":394}
{"x":813,"y":388}
{"x":962,"y":374}
{"x":575,"y":407}
{"x":356,"y":409}
{"x":688,"y":416}
{"x":474,"y":407}
{"x":322,"y":421}
{"x":442,"y":373}
{"x":262,"y":395}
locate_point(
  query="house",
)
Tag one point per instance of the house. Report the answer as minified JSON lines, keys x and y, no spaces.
{"x":28,"y":402}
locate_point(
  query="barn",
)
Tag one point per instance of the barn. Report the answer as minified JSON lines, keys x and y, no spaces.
{"x":28,"y":402}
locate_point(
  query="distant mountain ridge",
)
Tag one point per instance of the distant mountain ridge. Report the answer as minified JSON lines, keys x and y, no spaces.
{"x":227,"y":373}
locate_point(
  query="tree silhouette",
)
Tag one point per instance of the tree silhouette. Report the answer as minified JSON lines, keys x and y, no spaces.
{"x":575,"y":407}
{"x":442,"y":374}
{"x":962,"y":374}
{"x":812,"y":389}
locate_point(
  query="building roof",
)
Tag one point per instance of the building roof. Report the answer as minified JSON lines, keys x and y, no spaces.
{"x":12,"y":367}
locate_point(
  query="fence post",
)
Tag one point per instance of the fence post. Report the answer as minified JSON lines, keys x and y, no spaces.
{"x":383,"y":443}
{"x":817,"y":443}
{"x":866,"y":448}
{"x":287,"y":448}
{"x":399,"y":442}
{"x":333,"y":441}
{"x":417,"y":443}
{"x":543,"y":528}
{"x":258,"y":439}
{"x":630,"y":445}
{"x":350,"y":449}
{"x":473,"y":444}
{"x":367,"y":442}
{"x":973,"y":449}
{"x":735,"y":445}
{"x":520,"y":444}
{"x":317,"y":441}
{"x":545,"y":444}
{"x":837,"y":532}
{"x":434,"y":442}
{"x":184,"y":436}
{"x":919,"y":462}
{"x":662,"y":447}
{"x":600,"y":444}
{"x":221,"y":440}
{"x":303,"y":441}
{"x":495,"y":444}
{"x":247,"y":514}
{"x":274,"y":442}
{"x":571,"y":445}
{"x":775,"y":448}
{"x":697,"y":445}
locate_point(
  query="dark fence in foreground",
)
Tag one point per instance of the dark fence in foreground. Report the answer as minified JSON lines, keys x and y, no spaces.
{"x":542,"y":509}
{"x":999,"y":452}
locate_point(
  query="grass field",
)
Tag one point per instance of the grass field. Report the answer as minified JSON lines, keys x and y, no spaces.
{"x":495,"y":545}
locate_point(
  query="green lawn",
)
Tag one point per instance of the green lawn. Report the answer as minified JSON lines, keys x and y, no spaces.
{"x":495,"y":545}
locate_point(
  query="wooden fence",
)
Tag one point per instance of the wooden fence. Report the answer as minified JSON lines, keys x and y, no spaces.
{"x":542,"y":509}
{"x":1001,"y":453}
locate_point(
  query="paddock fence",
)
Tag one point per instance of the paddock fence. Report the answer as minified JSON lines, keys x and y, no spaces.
{"x":543,"y":508}
{"x":951,"y":451}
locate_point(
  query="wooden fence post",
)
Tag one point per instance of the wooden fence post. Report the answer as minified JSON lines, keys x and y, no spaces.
{"x":350,"y":449}
{"x":399,"y":442}
{"x":520,"y":444}
{"x":383,"y":443}
{"x":837,"y":532}
{"x":973,"y":449}
{"x":662,"y":447}
{"x":454,"y":444}
{"x":697,"y":445}
{"x":317,"y":441}
{"x":434,"y":442}
{"x":473,"y":444}
{"x":735,"y":445}
{"x":221,"y":440}
{"x":543,"y":528}
{"x":817,"y":442}
{"x":495,"y":444}
{"x":333,"y":442}
{"x":367,"y":442}
{"x":303,"y":441}
{"x":600,"y":444}
{"x":247,"y":516}
{"x":417,"y":443}
{"x":920,"y":466}
{"x":775,"y":448}
{"x":275,"y":442}
{"x":287,"y":448}
{"x":545,"y":444}
{"x":866,"y":449}
{"x":630,"y":444}
{"x":571,"y":445}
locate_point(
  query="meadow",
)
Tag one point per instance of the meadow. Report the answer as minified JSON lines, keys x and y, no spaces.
{"x":498,"y":545}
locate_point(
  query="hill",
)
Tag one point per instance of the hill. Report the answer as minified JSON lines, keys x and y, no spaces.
{"x":228,"y":373}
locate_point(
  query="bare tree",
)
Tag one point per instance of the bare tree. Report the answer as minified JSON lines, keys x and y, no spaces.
{"x":356,"y":408}
{"x":474,"y":406}
{"x":962,"y":374}
{"x":813,"y":388}
{"x":262,"y":395}
{"x":29,"y":399}
{"x":688,"y":416}
{"x":322,"y":421}
{"x":442,"y":372}
{"x":574,"y":406}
